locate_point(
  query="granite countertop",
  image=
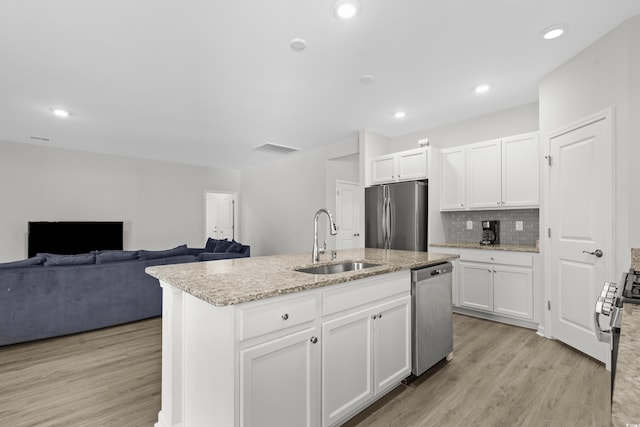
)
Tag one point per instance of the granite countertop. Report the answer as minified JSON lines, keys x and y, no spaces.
{"x":462,"y":245}
{"x":234,"y":281}
{"x":625,"y":409}
{"x":635,"y":259}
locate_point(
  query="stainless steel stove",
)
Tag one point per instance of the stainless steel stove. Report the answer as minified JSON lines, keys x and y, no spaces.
{"x":631,"y":287}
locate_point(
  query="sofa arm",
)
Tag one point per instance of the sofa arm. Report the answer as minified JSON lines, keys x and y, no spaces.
{"x":214,"y":256}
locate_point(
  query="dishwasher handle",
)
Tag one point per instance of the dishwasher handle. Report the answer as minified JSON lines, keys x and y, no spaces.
{"x":431,"y":271}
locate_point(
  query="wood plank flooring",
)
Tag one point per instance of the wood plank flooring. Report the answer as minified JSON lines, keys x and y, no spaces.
{"x":501,"y":375}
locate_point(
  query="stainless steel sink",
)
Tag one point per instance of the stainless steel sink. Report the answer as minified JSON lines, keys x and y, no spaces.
{"x":337,"y":268}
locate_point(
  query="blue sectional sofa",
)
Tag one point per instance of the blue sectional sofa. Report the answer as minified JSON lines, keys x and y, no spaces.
{"x":52,"y":295}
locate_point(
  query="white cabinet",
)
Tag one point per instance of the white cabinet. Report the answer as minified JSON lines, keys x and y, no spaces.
{"x":405,"y":165}
{"x":280,"y":381}
{"x":485,"y":178}
{"x":496,"y":174}
{"x":497,"y":282}
{"x":453,"y":176}
{"x":504,"y":173}
{"x":476,"y":286}
{"x":364,"y":353}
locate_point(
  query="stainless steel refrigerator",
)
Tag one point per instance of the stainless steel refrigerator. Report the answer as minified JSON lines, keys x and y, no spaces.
{"x":396,"y":216}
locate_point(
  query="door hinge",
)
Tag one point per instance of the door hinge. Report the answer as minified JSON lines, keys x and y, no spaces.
{"x":548,"y":159}
{"x":549,"y":232}
{"x":549,"y":305}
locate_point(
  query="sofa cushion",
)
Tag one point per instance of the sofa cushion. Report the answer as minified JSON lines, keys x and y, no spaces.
{"x":29,"y":262}
{"x":178,"y":250}
{"x":234,"y":248}
{"x":103,"y":257}
{"x":211,"y":245}
{"x":80,"y":259}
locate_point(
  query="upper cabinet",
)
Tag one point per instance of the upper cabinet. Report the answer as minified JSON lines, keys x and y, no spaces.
{"x":453,"y":176}
{"x":497,"y":174}
{"x":402,"y":166}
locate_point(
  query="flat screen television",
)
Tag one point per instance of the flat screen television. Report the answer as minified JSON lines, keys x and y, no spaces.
{"x":74,"y":237}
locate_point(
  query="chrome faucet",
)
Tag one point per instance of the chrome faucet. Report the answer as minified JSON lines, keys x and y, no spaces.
{"x":333,"y":229}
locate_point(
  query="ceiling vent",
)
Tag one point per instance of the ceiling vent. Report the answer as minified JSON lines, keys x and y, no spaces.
{"x":269,"y":147}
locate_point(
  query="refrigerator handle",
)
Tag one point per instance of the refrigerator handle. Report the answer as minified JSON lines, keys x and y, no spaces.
{"x":385,"y":215}
{"x":389,"y":222}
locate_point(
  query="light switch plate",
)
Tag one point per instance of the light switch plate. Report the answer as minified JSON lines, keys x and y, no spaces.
{"x":469,"y":225}
{"x":519,"y":226}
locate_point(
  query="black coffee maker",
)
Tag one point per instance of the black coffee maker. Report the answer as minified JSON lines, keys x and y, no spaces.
{"x":490,"y":233}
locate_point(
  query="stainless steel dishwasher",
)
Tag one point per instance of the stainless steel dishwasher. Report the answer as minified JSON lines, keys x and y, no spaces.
{"x":432,"y":316}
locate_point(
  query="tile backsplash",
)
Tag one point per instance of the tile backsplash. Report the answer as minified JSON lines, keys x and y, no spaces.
{"x":455,"y":226}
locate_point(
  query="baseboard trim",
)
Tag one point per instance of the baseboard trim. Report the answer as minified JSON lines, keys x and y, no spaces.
{"x":497,"y":318}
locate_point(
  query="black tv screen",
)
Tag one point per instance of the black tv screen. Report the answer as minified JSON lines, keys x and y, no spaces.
{"x":68,"y":238}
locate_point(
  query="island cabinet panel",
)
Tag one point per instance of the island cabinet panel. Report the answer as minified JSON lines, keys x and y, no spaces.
{"x":280,"y":381}
{"x":267,"y":317}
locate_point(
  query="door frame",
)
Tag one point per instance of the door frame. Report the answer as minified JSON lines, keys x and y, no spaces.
{"x":545,"y":243}
{"x":236,"y":199}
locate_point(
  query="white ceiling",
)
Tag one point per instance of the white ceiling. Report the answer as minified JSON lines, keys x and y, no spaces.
{"x":204,"y":81}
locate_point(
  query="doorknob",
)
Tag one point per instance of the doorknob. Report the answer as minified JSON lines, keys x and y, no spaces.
{"x":598,"y":253}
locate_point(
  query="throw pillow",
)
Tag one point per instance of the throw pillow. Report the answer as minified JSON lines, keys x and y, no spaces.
{"x":29,"y":262}
{"x":177,"y":251}
{"x":103,"y":257}
{"x":234,"y":247}
{"x":211,"y":245}
{"x":80,"y":259}
{"x":222,"y":246}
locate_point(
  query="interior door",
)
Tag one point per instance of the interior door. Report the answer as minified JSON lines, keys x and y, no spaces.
{"x":348,"y":207}
{"x":221,"y":215}
{"x":580,"y":219}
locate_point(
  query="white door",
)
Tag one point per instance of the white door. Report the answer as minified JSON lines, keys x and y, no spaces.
{"x":221,"y":215}
{"x":346,"y":365}
{"x":521,"y":171}
{"x":392,"y":343}
{"x":348,"y":208}
{"x":580,"y":221}
{"x":476,"y":286}
{"x":280,"y":382}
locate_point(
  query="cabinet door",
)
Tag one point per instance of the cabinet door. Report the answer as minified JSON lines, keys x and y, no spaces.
{"x":280,"y":381}
{"x":513,"y":291}
{"x":476,"y":286}
{"x":485,"y":180}
{"x":346,"y":365}
{"x":392,"y":343}
{"x":453,"y":179}
{"x":521,"y":171}
{"x":384,"y":169}
{"x":412,"y":164}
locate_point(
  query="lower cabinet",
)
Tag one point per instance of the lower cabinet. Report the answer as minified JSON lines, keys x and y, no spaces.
{"x":363,"y":354}
{"x":280,"y":381}
{"x":503,"y":284}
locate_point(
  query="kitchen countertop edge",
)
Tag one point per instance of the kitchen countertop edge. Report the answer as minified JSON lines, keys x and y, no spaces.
{"x":463,"y":245}
{"x":235,"y":281}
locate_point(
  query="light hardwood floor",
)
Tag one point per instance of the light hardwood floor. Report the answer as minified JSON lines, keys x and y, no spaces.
{"x":501,"y":375}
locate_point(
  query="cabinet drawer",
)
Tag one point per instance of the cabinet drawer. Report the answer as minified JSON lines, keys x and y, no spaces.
{"x":353,"y":295}
{"x":274,"y":316}
{"x":498,"y":257}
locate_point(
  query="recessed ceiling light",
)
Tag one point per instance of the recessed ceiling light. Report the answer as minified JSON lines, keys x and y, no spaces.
{"x":298,"y":44}
{"x":366,"y":79}
{"x":60,"y":113}
{"x":399,"y":114}
{"x":346,"y":9}
{"x":482,"y":88}
{"x":554,"y":31}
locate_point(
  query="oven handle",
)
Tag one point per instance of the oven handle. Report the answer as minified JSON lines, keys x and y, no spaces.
{"x":602,"y":336}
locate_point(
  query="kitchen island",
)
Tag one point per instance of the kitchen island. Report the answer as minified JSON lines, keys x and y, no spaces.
{"x":252,"y":341}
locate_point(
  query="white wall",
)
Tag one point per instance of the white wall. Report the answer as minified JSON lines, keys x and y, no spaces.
{"x":512,"y":121}
{"x":161,"y":204}
{"x":606,"y":74}
{"x":278,"y":201}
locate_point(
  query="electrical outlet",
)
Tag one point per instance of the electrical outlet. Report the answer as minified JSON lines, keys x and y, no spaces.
{"x":519,"y":226}
{"x":469,"y":225}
